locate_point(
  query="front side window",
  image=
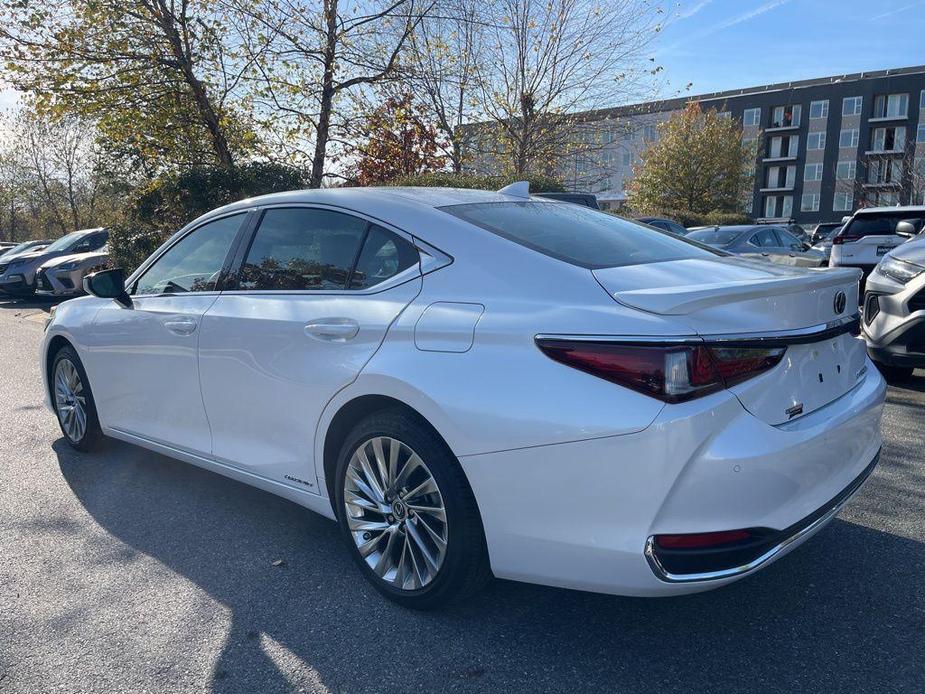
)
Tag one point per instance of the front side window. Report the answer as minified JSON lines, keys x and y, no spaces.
{"x":577,"y":235}
{"x":764,"y":239}
{"x":194,"y":263}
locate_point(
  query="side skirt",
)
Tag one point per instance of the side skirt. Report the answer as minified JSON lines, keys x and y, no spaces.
{"x":311,"y":501}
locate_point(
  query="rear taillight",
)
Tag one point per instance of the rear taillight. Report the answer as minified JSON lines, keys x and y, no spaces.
{"x":701,"y":540}
{"x":669,"y":372}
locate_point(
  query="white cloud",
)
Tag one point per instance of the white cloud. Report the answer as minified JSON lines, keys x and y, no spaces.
{"x":745,"y":16}
{"x":691,"y":11}
{"x":890,"y":13}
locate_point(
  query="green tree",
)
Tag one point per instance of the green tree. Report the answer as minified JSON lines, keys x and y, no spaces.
{"x":698,"y":163}
{"x":156,"y":75}
{"x":397,"y":141}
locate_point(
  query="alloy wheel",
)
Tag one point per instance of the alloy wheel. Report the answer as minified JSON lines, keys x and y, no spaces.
{"x":395,"y":513}
{"x":70,"y":400}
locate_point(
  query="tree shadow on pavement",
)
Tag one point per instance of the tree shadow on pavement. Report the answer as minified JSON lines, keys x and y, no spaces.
{"x":841,"y":613}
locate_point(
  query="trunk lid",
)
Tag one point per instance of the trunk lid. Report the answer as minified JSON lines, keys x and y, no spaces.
{"x":736,"y":298}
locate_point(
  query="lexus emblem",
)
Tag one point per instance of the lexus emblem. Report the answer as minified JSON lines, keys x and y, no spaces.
{"x":841,"y":301}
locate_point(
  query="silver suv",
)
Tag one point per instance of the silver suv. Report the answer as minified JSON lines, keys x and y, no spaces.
{"x":894,"y":309}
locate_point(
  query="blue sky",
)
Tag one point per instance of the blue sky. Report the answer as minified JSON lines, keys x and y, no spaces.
{"x":726,"y":44}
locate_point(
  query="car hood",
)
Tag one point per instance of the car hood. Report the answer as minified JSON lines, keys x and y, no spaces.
{"x":80,"y":257}
{"x":912,"y":251}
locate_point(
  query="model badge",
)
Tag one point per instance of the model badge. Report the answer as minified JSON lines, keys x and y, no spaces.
{"x":841,"y":301}
{"x":792,"y":412}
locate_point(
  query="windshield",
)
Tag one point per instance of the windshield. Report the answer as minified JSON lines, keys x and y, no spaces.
{"x":22,"y":247}
{"x":578,"y":235}
{"x":65,"y":242}
{"x":715,"y":237}
{"x":881,"y":223}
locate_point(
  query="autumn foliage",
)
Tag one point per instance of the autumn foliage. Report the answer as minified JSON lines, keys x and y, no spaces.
{"x":397,"y":140}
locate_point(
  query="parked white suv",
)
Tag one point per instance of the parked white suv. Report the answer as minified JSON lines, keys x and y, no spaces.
{"x":871,"y":233}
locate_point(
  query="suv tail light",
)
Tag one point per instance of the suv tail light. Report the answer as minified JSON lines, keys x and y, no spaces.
{"x":669,"y":372}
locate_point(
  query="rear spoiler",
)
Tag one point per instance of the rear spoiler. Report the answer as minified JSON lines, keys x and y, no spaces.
{"x":686,"y":299}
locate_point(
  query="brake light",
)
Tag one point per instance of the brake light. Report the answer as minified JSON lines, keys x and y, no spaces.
{"x":670,"y":372}
{"x":845,"y":235}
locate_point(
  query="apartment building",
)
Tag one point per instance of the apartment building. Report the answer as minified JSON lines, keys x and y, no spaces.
{"x":827,"y":145}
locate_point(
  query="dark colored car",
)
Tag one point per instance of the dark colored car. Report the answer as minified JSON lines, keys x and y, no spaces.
{"x":822,"y":231}
{"x":18,"y":273}
{"x":761,"y":241}
{"x":584,"y":199}
{"x":664,"y":224}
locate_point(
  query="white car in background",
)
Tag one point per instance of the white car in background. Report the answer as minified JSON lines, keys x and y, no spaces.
{"x":475,"y":383}
{"x":871,"y":233}
{"x":63,"y":276}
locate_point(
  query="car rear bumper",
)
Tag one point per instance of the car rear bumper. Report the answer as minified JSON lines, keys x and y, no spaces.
{"x":581,"y":515}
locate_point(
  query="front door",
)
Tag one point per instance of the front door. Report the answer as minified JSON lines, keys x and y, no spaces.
{"x":148,"y":352}
{"x":318,"y":289}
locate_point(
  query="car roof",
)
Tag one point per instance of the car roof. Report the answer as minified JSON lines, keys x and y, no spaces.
{"x":897,"y":208}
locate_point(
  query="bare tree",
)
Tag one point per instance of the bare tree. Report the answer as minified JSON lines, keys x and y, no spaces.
{"x":316,"y":56}
{"x":548,"y":60}
{"x":443,"y":66}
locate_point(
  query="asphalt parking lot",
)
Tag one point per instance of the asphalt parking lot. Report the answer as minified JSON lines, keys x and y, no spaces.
{"x":125,"y":571}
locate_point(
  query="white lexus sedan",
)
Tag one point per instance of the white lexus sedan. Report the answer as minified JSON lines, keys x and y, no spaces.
{"x":476,"y":384}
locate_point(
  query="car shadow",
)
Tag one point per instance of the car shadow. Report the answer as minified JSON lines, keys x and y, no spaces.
{"x":845,"y":609}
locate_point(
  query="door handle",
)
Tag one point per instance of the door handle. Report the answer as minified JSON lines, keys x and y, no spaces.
{"x":181,"y":326}
{"x":333,"y":329}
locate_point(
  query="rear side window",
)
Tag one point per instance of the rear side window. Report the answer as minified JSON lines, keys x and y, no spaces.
{"x":766,"y":238}
{"x":577,"y":235}
{"x":299,"y":248}
{"x":718,"y":237}
{"x":384,"y":255}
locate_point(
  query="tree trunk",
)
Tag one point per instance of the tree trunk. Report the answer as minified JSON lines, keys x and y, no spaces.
{"x":203,"y":103}
{"x":322,"y":130}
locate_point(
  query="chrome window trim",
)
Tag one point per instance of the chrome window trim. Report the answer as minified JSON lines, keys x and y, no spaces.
{"x":794,"y":336}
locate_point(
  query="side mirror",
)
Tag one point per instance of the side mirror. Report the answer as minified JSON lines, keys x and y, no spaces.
{"x":905,"y":228}
{"x":108,"y":284}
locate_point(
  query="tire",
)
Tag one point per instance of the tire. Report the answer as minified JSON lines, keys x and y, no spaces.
{"x":400,"y":541}
{"x":70,"y":392}
{"x":895,"y":373}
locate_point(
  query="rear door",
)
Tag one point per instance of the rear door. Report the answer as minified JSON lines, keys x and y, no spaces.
{"x":317,"y":290}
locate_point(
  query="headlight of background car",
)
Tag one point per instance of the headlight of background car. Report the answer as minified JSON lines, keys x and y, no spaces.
{"x":69,"y":266}
{"x":899,"y":270}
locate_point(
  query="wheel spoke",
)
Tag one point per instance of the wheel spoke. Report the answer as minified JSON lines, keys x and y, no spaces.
{"x":369,"y":475}
{"x":403,"y":543}
{"x":381,"y":464}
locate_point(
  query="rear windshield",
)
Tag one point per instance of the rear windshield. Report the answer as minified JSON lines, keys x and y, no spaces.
{"x":881,"y":223}
{"x":715,"y":237}
{"x":578,"y":235}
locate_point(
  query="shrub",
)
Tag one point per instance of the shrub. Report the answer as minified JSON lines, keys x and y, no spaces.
{"x":687,"y":218}
{"x":446,"y":179}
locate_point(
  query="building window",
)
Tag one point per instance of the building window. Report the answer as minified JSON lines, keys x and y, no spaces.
{"x":848,"y":137}
{"x":819,"y":109}
{"x":786,"y":206}
{"x":920,"y":134}
{"x":780,"y":176}
{"x":844,"y":201}
{"x":888,"y":139}
{"x":785,"y":146}
{"x":627,"y":159}
{"x":922,"y":99}
{"x":724,"y":114}
{"x":809,"y":202}
{"x":815,"y":140}
{"x":846,"y":170}
{"x":751,"y":116}
{"x":650,"y":133}
{"x":891,"y":106}
{"x":885,"y":171}
{"x":886,"y":198}
{"x":852,"y":105}
{"x":785,"y":116}
{"x":812,"y":172}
